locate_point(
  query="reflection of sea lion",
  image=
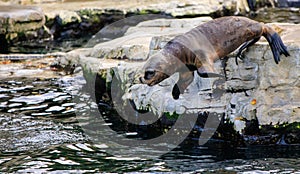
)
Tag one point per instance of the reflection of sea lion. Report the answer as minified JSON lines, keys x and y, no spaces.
{"x":201,"y":46}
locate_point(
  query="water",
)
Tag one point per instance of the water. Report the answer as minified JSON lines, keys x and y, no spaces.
{"x":77,"y":159}
{"x":284,"y":15}
{"x":44,"y":47}
{"x":40,"y":132}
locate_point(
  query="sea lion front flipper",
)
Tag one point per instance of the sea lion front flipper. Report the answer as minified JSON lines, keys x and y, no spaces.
{"x":208,"y":73}
{"x":244,"y":46}
{"x":176,"y":92}
{"x":185,"y":79}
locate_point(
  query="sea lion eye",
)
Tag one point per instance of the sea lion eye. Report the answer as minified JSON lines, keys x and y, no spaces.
{"x":149,"y":74}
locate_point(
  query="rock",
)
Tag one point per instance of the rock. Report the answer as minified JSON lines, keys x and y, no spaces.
{"x":123,"y":48}
{"x":42,"y":33}
{"x":167,"y":26}
{"x":182,"y":9}
{"x":196,"y":9}
{"x":256,"y":89}
{"x":83,"y":19}
{"x":28,"y":2}
{"x":196,"y":99}
{"x":127,"y":48}
{"x":166,"y":30}
{"x":64,"y":23}
{"x":277,"y":91}
{"x":17,"y":19}
{"x":65,"y":18}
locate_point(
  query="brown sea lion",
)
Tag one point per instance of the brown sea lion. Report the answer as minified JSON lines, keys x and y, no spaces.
{"x":199,"y":48}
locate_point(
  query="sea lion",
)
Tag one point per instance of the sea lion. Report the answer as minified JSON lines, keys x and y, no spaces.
{"x":199,"y":48}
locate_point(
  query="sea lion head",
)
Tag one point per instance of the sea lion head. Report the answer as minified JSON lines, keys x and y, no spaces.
{"x":157,"y":68}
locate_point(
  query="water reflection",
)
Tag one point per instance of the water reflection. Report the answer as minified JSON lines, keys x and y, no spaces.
{"x":37,"y":138}
{"x":283,"y":15}
{"x":85,"y":157}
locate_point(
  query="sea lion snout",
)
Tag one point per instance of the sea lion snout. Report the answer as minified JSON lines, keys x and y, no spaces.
{"x":148,"y":75}
{"x":152,"y":77}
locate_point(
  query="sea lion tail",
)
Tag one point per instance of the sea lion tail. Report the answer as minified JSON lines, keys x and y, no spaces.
{"x":275,"y":43}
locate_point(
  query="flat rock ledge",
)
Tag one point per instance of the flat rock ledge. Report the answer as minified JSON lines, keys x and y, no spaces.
{"x":16,"y":19}
{"x":256,"y":89}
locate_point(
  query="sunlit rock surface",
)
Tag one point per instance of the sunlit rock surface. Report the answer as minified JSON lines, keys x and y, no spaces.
{"x":15,"y":19}
{"x":256,"y":88}
{"x":199,"y":97}
{"x":135,"y":44}
{"x":18,"y":21}
{"x":46,"y":21}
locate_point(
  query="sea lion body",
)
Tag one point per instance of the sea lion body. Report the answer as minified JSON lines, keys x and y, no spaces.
{"x":199,"y":48}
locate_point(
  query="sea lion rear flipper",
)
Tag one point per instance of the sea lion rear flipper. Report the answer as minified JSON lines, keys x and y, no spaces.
{"x":244,"y":46}
{"x":275,"y":43}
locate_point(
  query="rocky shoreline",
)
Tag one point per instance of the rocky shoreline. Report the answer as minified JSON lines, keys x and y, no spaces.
{"x":67,"y":20}
{"x":42,"y":24}
{"x":257,"y":91}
